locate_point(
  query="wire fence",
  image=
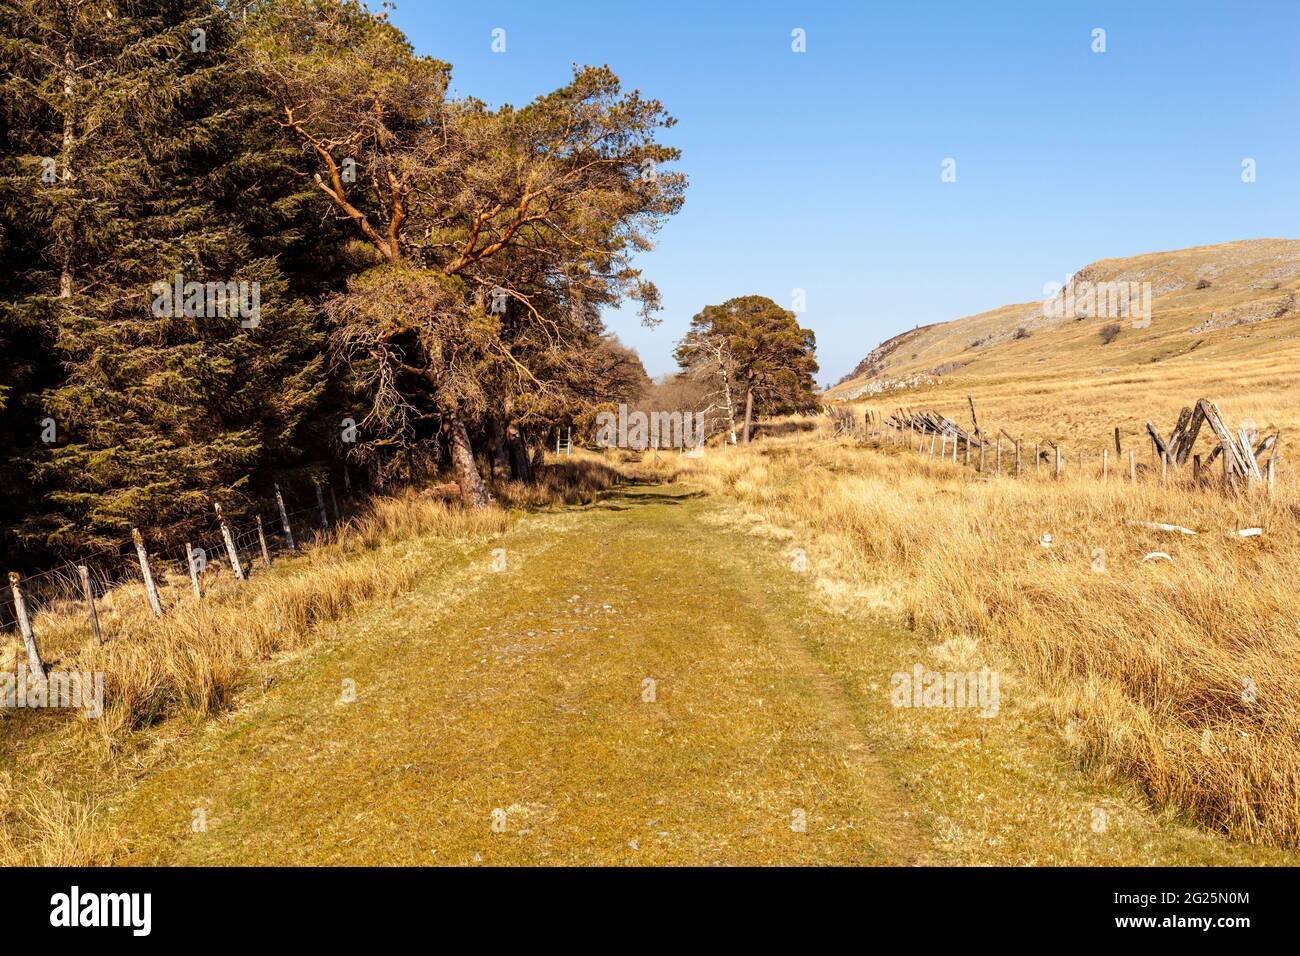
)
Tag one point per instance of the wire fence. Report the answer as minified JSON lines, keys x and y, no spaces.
{"x":61,"y":588}
{"x":1243,"y":465}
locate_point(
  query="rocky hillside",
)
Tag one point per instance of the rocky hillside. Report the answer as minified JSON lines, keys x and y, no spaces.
{"x":1235,"y":296}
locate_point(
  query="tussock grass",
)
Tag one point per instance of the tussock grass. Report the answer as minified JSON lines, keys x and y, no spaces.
{"x":567,"y":480}
{"x":1182,"y":676}
{"x":193,"y":662}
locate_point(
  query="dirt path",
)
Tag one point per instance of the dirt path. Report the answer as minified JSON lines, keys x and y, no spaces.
{"x":636,"y":686}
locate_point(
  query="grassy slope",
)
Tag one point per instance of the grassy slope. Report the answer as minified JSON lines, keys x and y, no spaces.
{"x":1063,"y":384}
{"x":522,"y":691}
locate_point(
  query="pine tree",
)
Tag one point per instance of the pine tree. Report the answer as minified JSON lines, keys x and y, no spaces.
{"x":160,"y":410}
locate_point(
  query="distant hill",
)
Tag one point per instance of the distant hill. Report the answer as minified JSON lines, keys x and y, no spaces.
{"x":1235,"y":299}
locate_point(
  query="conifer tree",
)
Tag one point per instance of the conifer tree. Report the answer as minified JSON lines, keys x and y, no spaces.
{"x":162,"y":405}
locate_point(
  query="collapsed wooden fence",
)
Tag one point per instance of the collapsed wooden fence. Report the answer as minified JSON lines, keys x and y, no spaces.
{"x":1240,"y":453}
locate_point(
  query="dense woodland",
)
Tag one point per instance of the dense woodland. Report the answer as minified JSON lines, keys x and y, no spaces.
{"x":430,"y":270}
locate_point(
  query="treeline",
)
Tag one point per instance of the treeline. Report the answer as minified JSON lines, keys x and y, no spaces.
{"x":247,"y":242}
{"x":369,"y":269}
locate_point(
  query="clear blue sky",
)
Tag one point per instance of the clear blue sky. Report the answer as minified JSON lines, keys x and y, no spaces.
{"x":821,"y":170}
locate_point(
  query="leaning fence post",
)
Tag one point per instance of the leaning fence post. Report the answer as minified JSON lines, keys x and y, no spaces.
{"x":261,"y":539}
{"x":34,"y":662}
{"x":194,"y":571}
{"x":324,"y":518}
{"x":149,"y":586}
{"x":1017,"y":459}
{"x":90,"y":603}
{"x":230,"y":543}
{"x":284,"y":519}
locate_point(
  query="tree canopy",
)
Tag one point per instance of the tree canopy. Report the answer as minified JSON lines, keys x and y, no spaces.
{"x":758,"y":355}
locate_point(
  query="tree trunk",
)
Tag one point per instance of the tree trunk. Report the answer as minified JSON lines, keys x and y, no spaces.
{"x":731,"y":406}
{"x":749,"y":410}
{"x":518,"y":454}
{"x":497,"y":442}
{"x":66,"y":228}
{"x":473,"y":493}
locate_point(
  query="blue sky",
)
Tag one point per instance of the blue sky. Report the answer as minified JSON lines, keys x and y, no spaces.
{"x":821,"y":170}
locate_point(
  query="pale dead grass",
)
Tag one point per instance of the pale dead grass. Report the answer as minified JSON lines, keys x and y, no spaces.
{"x":1147,"y":667}
{"x":192,"y":663}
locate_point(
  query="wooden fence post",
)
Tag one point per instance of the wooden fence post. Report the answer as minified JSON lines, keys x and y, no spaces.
{"x":1164,"y":469}
{"x":284,"y":519}
{"x":334,"y":501}
{"x":1196,"y":470}
{"x":1270,"y":474}
{"x":347,"y":479}
{"x":324,"y":518}
{"x":1038,"y":459}
{"x":230,"y":543}
{"x":955,"y":440}
{"x":1132,"y":465}
{"x":34,"y":662}
{"x":149,"y":586}
{"x":194,"y":571}
{"x":90,"y":603}
{"x":1017,"y":459}
{"x":261,"y":539}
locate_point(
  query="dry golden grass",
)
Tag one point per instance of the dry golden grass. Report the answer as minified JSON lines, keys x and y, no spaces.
{"x":1149,"y":667}
{"x":193,"y":662}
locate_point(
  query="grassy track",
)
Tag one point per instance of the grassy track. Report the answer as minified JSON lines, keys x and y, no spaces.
{"x":523,"y":691}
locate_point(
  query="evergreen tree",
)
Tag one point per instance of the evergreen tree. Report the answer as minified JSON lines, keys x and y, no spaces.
{"x":760,"y":347}
{"x":162,"y":404}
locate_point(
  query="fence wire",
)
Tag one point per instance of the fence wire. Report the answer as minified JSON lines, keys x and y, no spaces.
{"x":59,"y":588}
